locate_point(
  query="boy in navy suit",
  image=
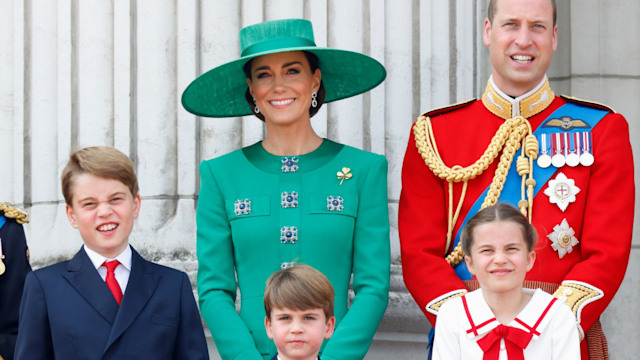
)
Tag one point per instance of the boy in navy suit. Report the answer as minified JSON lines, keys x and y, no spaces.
{"x":107,"y":302}
{"x":299,"y":305}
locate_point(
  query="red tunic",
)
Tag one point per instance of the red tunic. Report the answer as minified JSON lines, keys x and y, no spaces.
{"x":601,"y":215}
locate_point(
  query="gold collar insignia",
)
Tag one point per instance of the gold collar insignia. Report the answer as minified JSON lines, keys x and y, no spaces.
{"x":526,"y":105}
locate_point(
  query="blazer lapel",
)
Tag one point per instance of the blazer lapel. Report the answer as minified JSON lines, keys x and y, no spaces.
{"x":142,"y":283}
{"x":85,"y":279}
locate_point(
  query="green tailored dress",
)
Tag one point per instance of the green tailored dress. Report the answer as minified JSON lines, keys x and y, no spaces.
{"x":258,"y":212}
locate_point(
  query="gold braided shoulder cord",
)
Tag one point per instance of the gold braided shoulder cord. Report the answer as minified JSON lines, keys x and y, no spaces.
{"x":12,"y":212}
{"x":510,"y":137}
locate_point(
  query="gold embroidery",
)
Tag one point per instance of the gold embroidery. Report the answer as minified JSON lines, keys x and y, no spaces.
{"x":510,"y":137}
{"x":435,"y":304}
{"x":577,"y":295}
{"x":589,"y":103}
{"x":496,"y":103}
{"x":527,"y":107}
{"x":537,"y":102}
{"x":448,"y":108}
{"x":514,"y":134}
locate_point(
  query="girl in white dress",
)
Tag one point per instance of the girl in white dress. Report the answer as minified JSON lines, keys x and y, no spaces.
{"x":503,"y":320}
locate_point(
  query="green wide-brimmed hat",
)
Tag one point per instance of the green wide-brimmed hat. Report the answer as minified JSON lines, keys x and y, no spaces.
{"x":220,"y":92}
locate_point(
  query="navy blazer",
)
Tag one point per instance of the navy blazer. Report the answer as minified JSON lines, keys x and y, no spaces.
{"x":68,"y":312}
{"x":14,"y":248}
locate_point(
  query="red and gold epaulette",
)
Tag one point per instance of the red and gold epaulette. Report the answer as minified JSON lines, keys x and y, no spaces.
{"x":587,"y":103}
{"x":449,"y":108}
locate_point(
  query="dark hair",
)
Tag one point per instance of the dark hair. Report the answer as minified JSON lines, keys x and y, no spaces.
{"x":314,"y":64}
{"x":101,"y":161}
{"x":499,"y":212}
{"x":491,"y":11}
{"x":299,"y":287}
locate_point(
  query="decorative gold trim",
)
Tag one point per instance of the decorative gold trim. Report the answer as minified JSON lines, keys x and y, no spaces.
{"x":434,"y":305}
{"x":588,"y":103}
{"x":446,"y":109}
{"x":538,"y":101}
{"x":496,"y":103}
{"x":13,"y":212}
{"x":577,"y":295}
{"x":527,"y":107}
{"x":509,"y":138}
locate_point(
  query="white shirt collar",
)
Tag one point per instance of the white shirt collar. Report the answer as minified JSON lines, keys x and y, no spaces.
{"x":97,"y":260}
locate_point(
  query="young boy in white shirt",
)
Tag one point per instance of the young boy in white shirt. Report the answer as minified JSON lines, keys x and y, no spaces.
{"x":107,"y":302}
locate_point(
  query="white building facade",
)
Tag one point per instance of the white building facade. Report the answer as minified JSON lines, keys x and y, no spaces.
{"x":76,"y":73}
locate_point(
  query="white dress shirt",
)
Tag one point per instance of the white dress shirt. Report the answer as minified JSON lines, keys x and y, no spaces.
{"x":121,"y":272}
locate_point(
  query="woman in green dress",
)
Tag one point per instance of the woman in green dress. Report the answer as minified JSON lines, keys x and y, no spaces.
{"x":293,"y":197}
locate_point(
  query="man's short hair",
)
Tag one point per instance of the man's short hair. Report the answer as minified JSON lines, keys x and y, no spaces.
{"x":299,"y":287}
{"x":101,"y":161}
{"x":491,"y":11}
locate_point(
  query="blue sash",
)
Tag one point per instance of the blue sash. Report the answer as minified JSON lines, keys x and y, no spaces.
{"x":2,"y":221}
{"x":511,"y":192}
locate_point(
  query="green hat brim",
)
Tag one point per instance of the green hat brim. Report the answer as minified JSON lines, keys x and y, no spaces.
{"x":220,"y":91}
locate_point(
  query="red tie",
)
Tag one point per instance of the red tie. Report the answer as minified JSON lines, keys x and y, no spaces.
{"x":111,"y":281}
{"x":516,"y":340}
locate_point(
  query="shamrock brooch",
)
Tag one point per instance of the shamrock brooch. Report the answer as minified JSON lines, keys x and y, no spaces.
{"x":344,"y":174}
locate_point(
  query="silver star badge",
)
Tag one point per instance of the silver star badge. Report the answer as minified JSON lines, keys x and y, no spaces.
{"x":563,"y":239}
{"x":562,"y":191}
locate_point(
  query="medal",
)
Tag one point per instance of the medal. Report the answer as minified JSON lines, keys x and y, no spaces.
{"x":562,"y":191}
{"x":558,"y":160}
{"x":573,"y":158}
{"x":544,"y":160}
{"x":586,"y":158}
{"x":563,"y":238}
{"x":3,"y":268}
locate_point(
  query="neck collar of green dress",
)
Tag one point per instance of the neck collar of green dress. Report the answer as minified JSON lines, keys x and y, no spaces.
{"x":268,"y":162}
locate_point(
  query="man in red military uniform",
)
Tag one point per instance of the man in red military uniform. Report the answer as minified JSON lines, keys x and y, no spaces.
{"x":567,"y":164}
